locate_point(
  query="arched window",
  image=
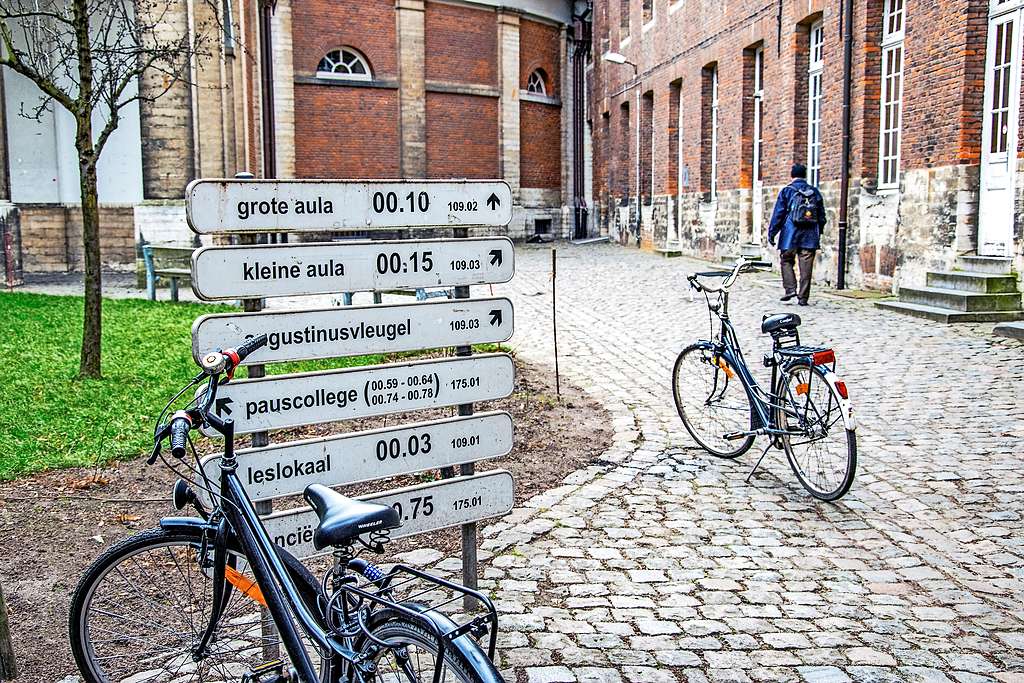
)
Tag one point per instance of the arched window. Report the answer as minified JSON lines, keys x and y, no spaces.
{"x":344,"y":63}
{"x":536,"y":82}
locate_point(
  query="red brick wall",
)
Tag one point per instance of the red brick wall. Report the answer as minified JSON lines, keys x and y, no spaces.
{"x":462,"y":136}
{"x":461,"y":44}
{"x":346,"y":132}
{"x":943,"y":76}
{"x":319,"y":26}
{"x":540,"y":145}
{"x":539,"y":47}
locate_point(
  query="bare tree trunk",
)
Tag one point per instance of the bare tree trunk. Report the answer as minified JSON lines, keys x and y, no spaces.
{"x":8,"y":667}
{"x":89,"y":367}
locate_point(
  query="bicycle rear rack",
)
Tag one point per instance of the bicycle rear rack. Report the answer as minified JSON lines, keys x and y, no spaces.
{"x":417,"y":595}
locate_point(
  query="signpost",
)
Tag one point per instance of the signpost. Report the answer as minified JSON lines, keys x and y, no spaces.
{"x":281,"y":401}
{"x":260,"y":404}
{"x":283,"y":469}
{"x":296,"y":269}
{"x":214,"y":206}
{"x":352,"y":330}
{"x":427,"y":507}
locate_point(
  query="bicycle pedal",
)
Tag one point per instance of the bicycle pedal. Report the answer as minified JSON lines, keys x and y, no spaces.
{"x":262,"y":673}
{"x":734,"y":436}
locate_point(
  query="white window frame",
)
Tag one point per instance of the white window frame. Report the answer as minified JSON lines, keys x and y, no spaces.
{"x":890,"y":121}
{"x":714,"y":133}
{"x":756,"y":174}
{"x":539,"y":75}
{"x":341,"y":76}
{"x":815,"y":69}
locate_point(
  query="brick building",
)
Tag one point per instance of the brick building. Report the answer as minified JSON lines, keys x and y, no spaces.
{"x":367,"y":89}
{"x":728,"y":95}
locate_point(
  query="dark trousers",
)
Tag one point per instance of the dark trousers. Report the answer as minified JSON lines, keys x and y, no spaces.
{"x":789,"y":258}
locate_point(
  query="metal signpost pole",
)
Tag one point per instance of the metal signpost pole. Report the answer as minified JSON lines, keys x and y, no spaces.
{"x":469,"y":557}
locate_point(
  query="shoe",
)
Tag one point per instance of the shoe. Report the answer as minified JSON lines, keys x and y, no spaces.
{"x":803,"y":303}
{"x":787,"y":297}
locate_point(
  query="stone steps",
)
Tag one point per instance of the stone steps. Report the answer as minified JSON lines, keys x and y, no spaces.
{"x":980,"y":289}
{"x":946,"y":315}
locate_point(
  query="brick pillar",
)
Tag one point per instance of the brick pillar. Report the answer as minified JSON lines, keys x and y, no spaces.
{"x":166,"y":122}
{"x":284,"y":89}
{"x":412,"y":91}
{"x":508,"y":75}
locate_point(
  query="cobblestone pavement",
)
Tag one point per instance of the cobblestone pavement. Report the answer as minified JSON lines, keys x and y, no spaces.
{"x":661,"y":564}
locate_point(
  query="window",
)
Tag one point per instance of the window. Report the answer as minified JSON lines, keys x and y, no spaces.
{"x":1002,"y":79}
{"x":647,"y":146}
{"x":648,"y":7}
{"x":228,"y":26}
{"x":535,"y":83}
{"x":816,"y":65}
{"x":758,"y":114}
{"x":624,"y":152}
{"x":623,"y":19}
{"x":892,"y":94}
{"x":709,"y":133}
{"x":344,"y":63}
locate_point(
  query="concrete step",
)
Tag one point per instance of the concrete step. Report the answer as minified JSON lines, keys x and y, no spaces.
{"x":964,"y":281}
{"x":994,"y":265}
{"x":1011,"y":330}
{"x":750,"y":251}
{"x":668,"y":253}
{"x":969,"y":302}
{"x":945,"y":315}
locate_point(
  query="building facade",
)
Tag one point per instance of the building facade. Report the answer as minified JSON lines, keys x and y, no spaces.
{"x":362,"y":90}
{"x":727,"y":96}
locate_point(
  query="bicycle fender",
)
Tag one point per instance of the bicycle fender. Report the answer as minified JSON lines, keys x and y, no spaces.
{"x":196,"y":525}
{"x":845,"y":407}
{"x":472,"y":653}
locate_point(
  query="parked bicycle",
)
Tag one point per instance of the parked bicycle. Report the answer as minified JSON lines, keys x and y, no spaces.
{"x":805,"y":412}
{"x":212,"y":598}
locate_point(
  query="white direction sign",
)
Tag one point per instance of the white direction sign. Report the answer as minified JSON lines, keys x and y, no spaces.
{"x":295,"y":205}
{"x":286,"y":469}
{"x":296,"y":269}
{"x":281,"y":401}
{"x":428,"y":507}
{"x":352,"y":330}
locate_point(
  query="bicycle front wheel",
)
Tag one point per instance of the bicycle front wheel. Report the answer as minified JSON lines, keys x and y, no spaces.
{"x":411,"y":656}
{"x":711,"y":401}
{"x":140,"y":611}
{"x":819,"y":447}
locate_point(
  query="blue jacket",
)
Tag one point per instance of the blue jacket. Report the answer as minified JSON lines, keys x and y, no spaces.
{"x":793,"y":237}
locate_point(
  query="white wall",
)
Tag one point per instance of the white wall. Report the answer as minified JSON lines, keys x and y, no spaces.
{"x":42,"y":158}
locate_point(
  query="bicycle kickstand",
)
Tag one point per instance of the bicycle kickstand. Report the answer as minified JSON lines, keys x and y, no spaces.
{"x":758,"y":463}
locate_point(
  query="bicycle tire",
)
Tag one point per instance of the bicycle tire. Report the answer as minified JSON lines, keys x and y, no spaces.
{"x":172,"y":548}
{"x":687,"y":369}
{"x":803,"y":464}
{"x":464,"y":661}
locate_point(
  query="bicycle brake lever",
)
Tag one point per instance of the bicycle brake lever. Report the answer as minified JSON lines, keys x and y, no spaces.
{"x":158,"y":440}
{"x":155,"y":454}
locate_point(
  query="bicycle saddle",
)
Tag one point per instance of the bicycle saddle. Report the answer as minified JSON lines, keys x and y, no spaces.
{"x":779,"y":321}
{"x":342,"y":519}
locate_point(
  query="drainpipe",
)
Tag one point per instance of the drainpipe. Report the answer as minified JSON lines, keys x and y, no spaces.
{"x":267,"y":88}
{"x":581,"y":49}
{"x":844,"y":178}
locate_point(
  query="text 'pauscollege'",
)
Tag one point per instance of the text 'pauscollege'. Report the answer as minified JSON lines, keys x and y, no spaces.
{"x":313,"y":334}
{"x":290,"y":271}
{"x":316,"y":399}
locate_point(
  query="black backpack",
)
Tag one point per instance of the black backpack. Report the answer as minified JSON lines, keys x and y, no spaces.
{"x":803,"y":208}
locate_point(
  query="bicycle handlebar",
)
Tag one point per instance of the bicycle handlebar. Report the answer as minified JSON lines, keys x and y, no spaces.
{"x":730,"y":277}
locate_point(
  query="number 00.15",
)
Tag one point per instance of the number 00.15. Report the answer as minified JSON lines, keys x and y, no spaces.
{"x":396,"y":448}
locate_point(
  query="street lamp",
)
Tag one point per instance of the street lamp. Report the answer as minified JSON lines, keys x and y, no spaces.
{"x":616,"y":58}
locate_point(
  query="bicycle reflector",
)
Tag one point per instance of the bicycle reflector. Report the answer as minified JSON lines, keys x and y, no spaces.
{"x":824,"y":357}
{"x":245,"y":586}
{"x":841,"y":388}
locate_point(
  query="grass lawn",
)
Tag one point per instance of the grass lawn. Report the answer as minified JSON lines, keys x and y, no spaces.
{"x":49,"y":419}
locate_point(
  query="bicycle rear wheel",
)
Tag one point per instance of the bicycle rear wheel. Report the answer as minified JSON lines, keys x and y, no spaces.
{"x":821,"y":451}
{"x":711,"y":401}
{"x":141,"y":608}
{"x":411,"y":656}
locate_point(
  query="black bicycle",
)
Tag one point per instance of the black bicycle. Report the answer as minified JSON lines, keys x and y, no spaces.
{"x":212,"y":598}
{"x":806,"y":412}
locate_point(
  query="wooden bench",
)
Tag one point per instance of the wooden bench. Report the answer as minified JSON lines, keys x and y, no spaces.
{"x":172,"y":262}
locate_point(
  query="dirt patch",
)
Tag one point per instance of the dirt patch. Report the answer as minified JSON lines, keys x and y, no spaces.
{"x":54,"y":524}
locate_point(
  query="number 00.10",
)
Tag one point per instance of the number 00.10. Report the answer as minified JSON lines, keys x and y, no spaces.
{"x":389,"y":202}
{"x":397,"y":448}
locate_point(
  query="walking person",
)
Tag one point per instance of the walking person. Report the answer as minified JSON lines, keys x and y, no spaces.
{"x":797,"y":222}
